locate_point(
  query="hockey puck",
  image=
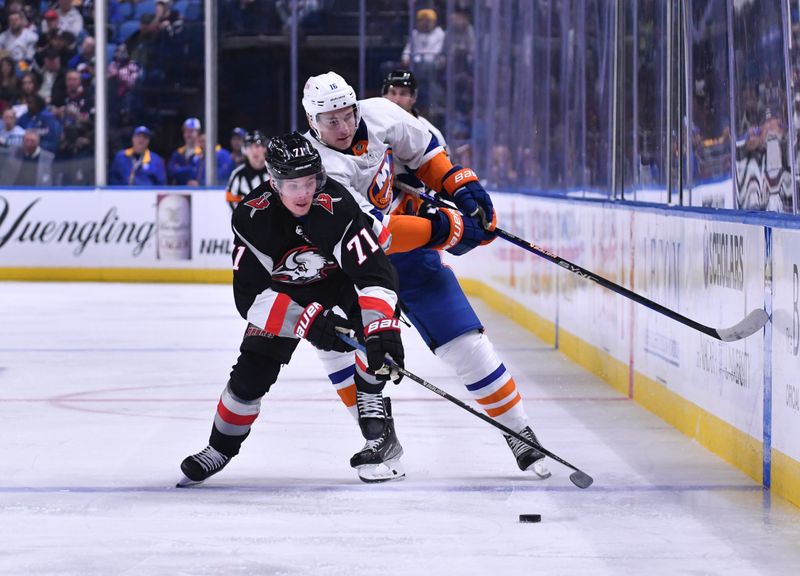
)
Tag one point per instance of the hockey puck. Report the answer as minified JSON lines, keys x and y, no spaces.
{"x":530,"y":518}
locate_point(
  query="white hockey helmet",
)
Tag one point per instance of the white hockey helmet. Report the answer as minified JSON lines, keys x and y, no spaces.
{"x":325,"y":93}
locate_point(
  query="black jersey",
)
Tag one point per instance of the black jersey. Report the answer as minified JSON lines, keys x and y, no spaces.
{"x":332,"y":255}
{"x":244,"y":180}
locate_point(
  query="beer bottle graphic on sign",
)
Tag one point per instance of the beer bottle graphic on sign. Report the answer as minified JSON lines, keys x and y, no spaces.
{"x":174,"y":226}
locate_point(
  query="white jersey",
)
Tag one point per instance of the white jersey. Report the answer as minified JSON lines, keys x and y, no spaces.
{"x":387,"y":137}
{"x":433,"y":130}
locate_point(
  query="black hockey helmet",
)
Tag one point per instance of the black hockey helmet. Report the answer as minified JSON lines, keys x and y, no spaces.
{"x":400,"y":78}
{"x":292,"y":156}
{"x":255,"y":137}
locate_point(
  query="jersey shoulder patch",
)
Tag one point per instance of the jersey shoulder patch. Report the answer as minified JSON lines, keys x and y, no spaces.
{"x":326,"y":201}
{"x":259,"y":202}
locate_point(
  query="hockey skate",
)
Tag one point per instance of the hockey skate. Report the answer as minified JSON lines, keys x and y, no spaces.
{"x":528,"y":459}
{"x":199,"y":467}
{"x":379,"y":459}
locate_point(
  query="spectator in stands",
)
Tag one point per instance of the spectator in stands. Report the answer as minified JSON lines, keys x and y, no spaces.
{"x":184,"y":164}
{"x":224,"y":164}
{"x":9,"y":83}
{"x":426,"y":43}
{"x":30,"y":164}
{"x":64,"y":42}
{"x":76,"y":151}
{"x":237,"y":139}
{"x":461,"y":37}
{"x":248,"y":17}
{"x":53,"y":88}
{"x":58,"y":40}
{"x":138,"y":165}
{"x":424,"y":54}
{"x":29,"y":84}
{"x":10,"y":133}
{"x":69,"y":19}
{"x":49,"y":22}
{"x":143,"y":44}
{"x":169,"y":20}
{"x":83,"y":61}
{"x":41,"y":120}
{"x":122,"y":76}
{"x":18,"y":41}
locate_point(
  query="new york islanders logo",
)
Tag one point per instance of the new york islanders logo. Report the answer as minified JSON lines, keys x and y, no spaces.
{"x":325,"y":201}
{"x":380,"y":191}
{"x":260,"y":203}
{"x":302,"y":265}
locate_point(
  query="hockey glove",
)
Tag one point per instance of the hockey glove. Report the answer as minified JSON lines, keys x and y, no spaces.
{"x":452,"y":231}
{"x":382,"y":339}
{"x":463,"y":186}
{"x":321,"y":327}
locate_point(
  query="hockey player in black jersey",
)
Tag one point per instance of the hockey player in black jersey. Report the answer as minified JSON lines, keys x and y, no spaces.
{"x":303,"y":251}
{"x":251,"y":173}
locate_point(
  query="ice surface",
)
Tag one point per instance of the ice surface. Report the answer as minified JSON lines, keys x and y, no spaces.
{"x":105,"y":388}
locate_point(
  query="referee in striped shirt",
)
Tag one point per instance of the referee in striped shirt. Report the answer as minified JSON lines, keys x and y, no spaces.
{"x":248,"y":175}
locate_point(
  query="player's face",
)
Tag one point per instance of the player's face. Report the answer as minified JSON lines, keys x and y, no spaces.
{"x":337,"y":128}
{"x":255,"y":154}
{"x":402,"y":96}
{"x":298,"y":193}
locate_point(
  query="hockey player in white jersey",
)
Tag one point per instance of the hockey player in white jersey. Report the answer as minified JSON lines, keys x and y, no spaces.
{"x":361,"y":144}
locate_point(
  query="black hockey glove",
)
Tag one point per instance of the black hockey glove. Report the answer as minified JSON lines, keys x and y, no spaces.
{"x":452,"y":231}
{"x":463,"y":186}
{"x":321,"y":327}
{"x":382,"y":339}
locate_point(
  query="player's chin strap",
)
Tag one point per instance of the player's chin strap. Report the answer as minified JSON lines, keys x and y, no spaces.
{"x":751,"y":324}
{"x":578,"y":477}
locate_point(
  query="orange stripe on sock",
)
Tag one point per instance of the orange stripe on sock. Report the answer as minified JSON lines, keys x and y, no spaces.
{"x":507,"y":389}
{"x":348,"y":395}
{"x":505,"y":407}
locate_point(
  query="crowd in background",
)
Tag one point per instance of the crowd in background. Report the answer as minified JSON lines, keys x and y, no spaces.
{"x":526,"y":102}
{"x":155,"y":81}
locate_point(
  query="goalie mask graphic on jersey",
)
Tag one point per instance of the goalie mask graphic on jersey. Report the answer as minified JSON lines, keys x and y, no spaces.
{"x":302,"y":265}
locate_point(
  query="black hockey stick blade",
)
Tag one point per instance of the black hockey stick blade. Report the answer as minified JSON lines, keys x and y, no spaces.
{"x":752,"y":323}
{"x":581,"y":479}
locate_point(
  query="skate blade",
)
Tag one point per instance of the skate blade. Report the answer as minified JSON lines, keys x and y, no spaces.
{"x":389,"y":471}
{"x":185,"y":482}
{"x":539,"y":469}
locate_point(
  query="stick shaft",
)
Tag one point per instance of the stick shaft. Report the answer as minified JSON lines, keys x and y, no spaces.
{"x":726,"y":335}
{"x":467,"y":407}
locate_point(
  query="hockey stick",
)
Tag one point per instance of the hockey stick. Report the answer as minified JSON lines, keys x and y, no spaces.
{"x":580,"y":478}
{"x":751,"y":324}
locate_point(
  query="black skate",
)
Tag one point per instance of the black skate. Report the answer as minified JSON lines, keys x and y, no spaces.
{"x":200,"y":466}
{"x":528,"y":458}
{"x":379,"y":459}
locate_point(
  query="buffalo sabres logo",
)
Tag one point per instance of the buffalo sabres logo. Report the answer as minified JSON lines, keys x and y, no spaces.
{"x":302,"y":266}
{"x":260,"y":203}
{"x":325,"y":201}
